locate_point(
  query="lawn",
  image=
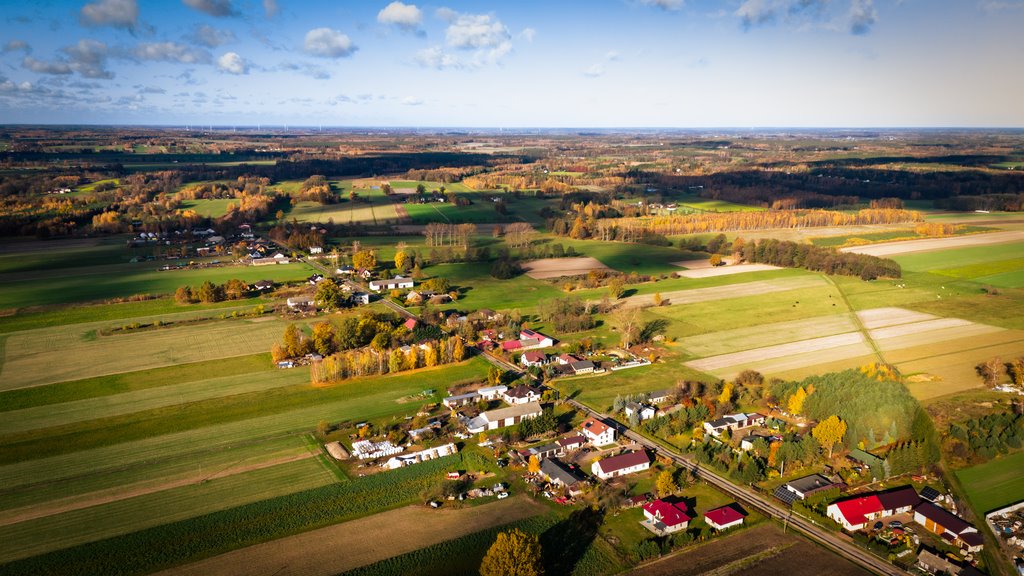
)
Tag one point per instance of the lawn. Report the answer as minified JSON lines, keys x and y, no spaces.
{"x":213,"y":208}
{"x":123,"y":280}
{"x":599,"y":391}
{"x":994,"y":484}
{"x":639,"y":258}
{"x":484,"y":291}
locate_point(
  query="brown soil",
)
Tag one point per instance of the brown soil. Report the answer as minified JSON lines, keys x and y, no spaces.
{"x":349,"y":545}
{"x":556,"y":267}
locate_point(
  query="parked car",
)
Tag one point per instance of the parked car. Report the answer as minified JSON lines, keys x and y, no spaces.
{"x":502,"y":495}
{"x":878,"y":526}
{"x":895,"y":524}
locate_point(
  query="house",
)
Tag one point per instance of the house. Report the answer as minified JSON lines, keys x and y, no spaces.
{"x":724,"y":518}
{"x":300,"y":303}
{"x":864,"y":458}
{"x":421,"y":456}
{"x":359,"y":298}
{"x":733,"y":422}
{"x":460,"y":400}
{"x":488,"y":314}
{"x":275,"y":259}
{"x":582,"y":367}
{"x":534,"y":358}
{"x":492,"y":392}
{"x":542,"y":340}
{"x":410,"y":324}
{"x":560,"y":474}
{"x":510,"y":345}
{"x":500,"y":418}
{"x":662,"y":517}
{"x":855,"y":513}
{"x":931,"y":494}
{"x":747,"y":443}
{"x":566,"y":359}
{"x":414,"y":298}
{"x":396,"y":283}
{"x":315,"y":279}
{"x":661,"y":396}
{"x":521,"y":394}
{"x":948,"y":526}
{"x":316,"y":250}
{"x":571,"y":443}
{"x":263,"y":285}
{"x":642,"y":411}
{"x":345,"y":271}
{"x":932,"y":563}
{"x":626,"y":463}
{"x":597,"y":432}
{"x":803,"y":487}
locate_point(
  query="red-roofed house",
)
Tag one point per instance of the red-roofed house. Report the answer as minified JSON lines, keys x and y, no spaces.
{"x":723,"y":518}
{"x":571,"y":443}
{"x":626,"y":463}
{"x":534,"y":358}
{"x":598,"y":433}
{"x":542,"y":340}
{"x":410,"y":324}
{"x":855,"y":513}
{"x":663,"y":517}
{"x":510,"y":345}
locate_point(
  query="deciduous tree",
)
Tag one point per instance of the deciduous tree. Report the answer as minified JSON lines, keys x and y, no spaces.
{"x":513,"y":553}
{"x":829,"y":432}
{"x":666,"y":484}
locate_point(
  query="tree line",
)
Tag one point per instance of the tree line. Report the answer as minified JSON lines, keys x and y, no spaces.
{"x":369,"y":361}
{"x":790,"y":254}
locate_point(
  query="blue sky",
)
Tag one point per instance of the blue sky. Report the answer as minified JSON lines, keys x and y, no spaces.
{"x":596,"y":63}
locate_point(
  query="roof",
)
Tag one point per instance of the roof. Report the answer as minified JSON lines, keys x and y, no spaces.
{"x":930,"y":494}
{"x":410,"y":323}
{"x":670,"y":513}
{"x":534,"y":356}
{"x":724,"y":515}
{"x":581,"y":365}
{"x":899,"y":498}
{"x":623,"y":461}
{"x":555,"y":470}
{"x":512,"y":411}
{"x":810,"y":483}
{"x":947,"y":520}
{"x":570,"y":441}
{"x":521,"y":391}
{"x":526,"y":333}
{"x":595,"y":426}
{"x":511,"y":345}
{"x":856,"y":510}
{"x":864,"y":457}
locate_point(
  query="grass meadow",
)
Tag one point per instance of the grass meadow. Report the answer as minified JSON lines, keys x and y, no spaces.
{"x":994,"y":484}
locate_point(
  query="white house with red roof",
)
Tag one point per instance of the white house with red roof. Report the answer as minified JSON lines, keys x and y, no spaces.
{"x":534,"y":358}
{"x":724,"y":518}
{"x":663,"y":517}
{"x":597,"y":432}
{"x":855,"y":513}
{"x":621,"y":465}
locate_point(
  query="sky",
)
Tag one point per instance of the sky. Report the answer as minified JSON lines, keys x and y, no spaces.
{"x":524,"y":63}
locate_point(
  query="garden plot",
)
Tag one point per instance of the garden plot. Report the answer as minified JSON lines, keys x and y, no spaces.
{"x":316,"y":552}
{"x":557,"y":267}
{"x":886,"y":249}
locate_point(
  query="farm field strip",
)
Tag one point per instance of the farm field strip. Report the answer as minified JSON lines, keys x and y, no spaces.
{"x":882,"y":317}
{"x":994,"y":484}
{"x":556,"y":267}
{"x":104,"y":406}
{"x":729,"y":291}
{"x":154,"y":474}
{"x":726,"y":270}
{"x":30,"y":356}
{"x":747,"y":338}
{"x":886,"y":249}
{"x":773,"y":352}
{"x":917,"y":328}
{"x":931,"y":337}
{"x":839,"y":357}
{"x":977,"y":260}
{"x":89,"y":524}
{"x":316,"y":553}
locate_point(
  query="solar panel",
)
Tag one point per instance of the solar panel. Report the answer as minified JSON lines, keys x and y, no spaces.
{"x":787,"y":496}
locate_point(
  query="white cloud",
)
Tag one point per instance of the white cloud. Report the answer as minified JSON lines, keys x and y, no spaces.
{"x":446,"y":14}
{"x":89,"y":58}
{"x":115,"y":13}
{"x":405,"y":16}
{"x":483,"y":35}
{"x":862,"y":16}
{"x":170,"y":52}
{"x":528,"y":34}
{"x":217,"y":8}
{"x":329,"y":43}
{"x":412,"y":101}
{"x":211,"y":37}
{"x":435,"y":57}
{"x":41,"y":67}
{"x":665,"y":4}
{"x":16,"y":46}
{"x":232,"y":63}
{"x":755,"y":12}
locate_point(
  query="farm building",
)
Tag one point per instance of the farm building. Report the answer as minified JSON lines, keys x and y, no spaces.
{"x":571,"y":443}
{"x":263,"y":285}
{"x":460,"y":400}
{"x":421,"y":456}
{"x":582,"y":367}
{"x":300,"y":303}
{"x":803,"y":487}
{"x":272,"y":260}
{"x":733,"y":422}
{"x":558,"y":473}
{"x":948,"y":526}
{"x":598,"y":433}
{"x":542,"y":340}
{"x":663,"y":517}
{"x":626,"y":463}
{"x":365,"y":449}
{"x":503,"y":417}
{"x":541,"y":452}
{"x":396,"y":283}
{"x":724,"y":518}
{"x":492,"y":392}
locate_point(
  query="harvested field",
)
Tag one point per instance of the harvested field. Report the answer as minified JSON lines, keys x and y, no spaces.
{"x":330,"y":550}
{"x":715,"y":363}
{"x":910,"y":246}
{"x":881,"y":317}
{"x":749,"y":337}
{"x":557,"y":267}
{"x":763,"y":549}
{"x":728,"y":291}
{"x":712,"y":271}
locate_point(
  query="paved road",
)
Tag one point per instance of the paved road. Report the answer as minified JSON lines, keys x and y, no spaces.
{"x":837,"y":543}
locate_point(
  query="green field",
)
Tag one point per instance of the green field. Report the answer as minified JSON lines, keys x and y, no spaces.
{"x":481,"y":290}
{"x":711,"y":205}
{"x":214,"y":208}
{"x":480,"y":211}
{"x":94,"y":283}
{"x":994,"y":484}
{"x":960,"y":257}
